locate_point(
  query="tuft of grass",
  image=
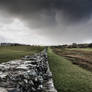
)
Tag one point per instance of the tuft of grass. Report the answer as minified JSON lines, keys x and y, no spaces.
{"x":16,"y":52}
{"x":68,"y":77}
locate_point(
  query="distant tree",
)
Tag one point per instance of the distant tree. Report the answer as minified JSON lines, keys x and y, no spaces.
{"x":90,"y":45}
{"x":74,"y":45}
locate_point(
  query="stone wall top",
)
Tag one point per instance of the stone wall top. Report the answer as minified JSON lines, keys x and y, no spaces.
{"x":30,"y":74}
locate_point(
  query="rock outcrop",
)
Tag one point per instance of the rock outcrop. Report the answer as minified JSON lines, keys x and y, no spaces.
{"x":30,"y":74}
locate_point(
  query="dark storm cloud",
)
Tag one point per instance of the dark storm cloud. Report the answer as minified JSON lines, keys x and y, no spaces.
{"x":76,"y":9}
{"x":49,"y":21}
{"x":45,"y":11}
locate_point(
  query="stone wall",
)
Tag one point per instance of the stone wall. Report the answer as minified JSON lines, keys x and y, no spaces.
{"x":30,"y":74}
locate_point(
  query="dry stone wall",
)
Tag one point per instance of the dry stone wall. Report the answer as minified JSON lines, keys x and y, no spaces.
{"x":30,"y":74}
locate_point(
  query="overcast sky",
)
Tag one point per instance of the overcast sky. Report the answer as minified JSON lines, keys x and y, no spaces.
{"x":46,"y":22}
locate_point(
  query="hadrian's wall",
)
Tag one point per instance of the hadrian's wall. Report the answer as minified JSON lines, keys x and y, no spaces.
{"x":30,"y":74}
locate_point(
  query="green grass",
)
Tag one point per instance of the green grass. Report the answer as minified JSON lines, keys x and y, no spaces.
{"x":68,"y":77}
{"x":16,"y":52}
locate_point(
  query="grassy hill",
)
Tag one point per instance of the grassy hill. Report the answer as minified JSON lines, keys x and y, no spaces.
{"x":15,"y":52}
{"x":67,"y":76}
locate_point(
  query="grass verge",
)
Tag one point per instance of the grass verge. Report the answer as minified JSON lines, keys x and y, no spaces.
{"x":68,"y":77}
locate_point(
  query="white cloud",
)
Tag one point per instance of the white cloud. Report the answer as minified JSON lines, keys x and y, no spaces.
{"x":18,"y":32}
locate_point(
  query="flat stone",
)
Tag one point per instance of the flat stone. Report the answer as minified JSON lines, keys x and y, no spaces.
{"x":3,"y":90}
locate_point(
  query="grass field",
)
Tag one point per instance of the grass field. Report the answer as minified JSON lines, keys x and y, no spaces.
{"x":78,"y":56}
{"x":82,"y":49}
{"x":67,"y":76}
{"x":16,"y":52}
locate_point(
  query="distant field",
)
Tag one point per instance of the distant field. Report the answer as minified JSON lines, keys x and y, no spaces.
{"x":15,"y":52}
{"x":67,"y":76}
{"x":83,"y":49}
{"x":79,"y":56}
